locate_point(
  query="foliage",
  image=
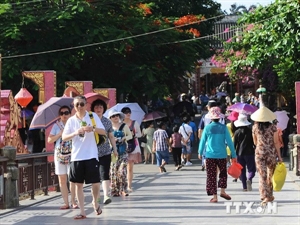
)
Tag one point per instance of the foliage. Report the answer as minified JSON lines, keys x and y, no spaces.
{"x":152,"y":64}
{"x":269,"y":41}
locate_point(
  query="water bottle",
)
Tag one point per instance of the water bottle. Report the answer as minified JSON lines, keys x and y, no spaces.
{"x":82,"y":124}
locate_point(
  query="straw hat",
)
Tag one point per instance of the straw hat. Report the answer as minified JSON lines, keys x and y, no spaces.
{"x":263,"y":114}
{"x":233,"y":116}
{"x":115,"y":112}
{"x":242,"y":121}
{"x":215,"y":113}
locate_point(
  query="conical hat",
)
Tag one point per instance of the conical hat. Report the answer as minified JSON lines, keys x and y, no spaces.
{"x":263,"y":114}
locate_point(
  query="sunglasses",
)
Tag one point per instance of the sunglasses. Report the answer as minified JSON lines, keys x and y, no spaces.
{"x":64,"y":113}
{"x":79,"y":104}
{"x":127,"y":112}
{"x":113,"y":116}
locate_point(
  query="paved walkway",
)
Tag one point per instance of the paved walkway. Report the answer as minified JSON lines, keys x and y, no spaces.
{"x":175,"y":197}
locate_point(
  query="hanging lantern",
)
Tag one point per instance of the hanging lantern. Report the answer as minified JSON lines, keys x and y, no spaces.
{"x":23,"y":98}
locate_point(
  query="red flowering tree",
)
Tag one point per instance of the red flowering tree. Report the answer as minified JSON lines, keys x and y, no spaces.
{"x":268,"y":44}
{"x":133,"y":46}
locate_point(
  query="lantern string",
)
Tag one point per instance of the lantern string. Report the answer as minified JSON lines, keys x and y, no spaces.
{"x":22,"y":81}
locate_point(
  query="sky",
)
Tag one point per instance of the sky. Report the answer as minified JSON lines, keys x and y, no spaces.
{"x":227,"y":3}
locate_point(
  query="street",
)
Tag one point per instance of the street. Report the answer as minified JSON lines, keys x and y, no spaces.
{"x":175,"y":197}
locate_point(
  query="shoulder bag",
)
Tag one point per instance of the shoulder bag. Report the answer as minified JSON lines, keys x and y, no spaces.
{"x":131,"y":142}
{"x":100,"y":139}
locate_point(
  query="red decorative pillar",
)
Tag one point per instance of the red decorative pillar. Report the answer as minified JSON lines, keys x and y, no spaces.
{"x":83,"y":87}
{"x":110,"y":93}
{"x":46,"y":81}
{"x":297,"y":91}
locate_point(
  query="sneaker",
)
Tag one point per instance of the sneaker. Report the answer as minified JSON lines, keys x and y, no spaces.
{"x":249,"y":185}
{"x":188,"y":164}
{"x":106,"y":200}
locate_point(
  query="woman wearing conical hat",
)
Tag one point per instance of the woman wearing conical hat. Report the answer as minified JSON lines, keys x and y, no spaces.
{"x":264,"y":137}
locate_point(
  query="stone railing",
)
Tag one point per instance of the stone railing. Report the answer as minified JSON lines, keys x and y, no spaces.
{"x":24,"y":176}
{"x":294,"y":151}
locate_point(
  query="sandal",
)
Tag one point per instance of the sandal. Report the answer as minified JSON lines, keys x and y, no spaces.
{"x":214,"y":200}
{"x":226,"y":196}
{"x":79,"y":217}
{"x":123,"y":193}
{"x":163,"y":169}
{"x":271,"y":199}
{"x":98,"y":211}
{"x":75,"y":206}
{"x":116,"y":195}
{"x":65,"y":207}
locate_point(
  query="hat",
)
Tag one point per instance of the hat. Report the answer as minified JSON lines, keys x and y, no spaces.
{"x":233,"y":116}
{"x":263,"y":114}
{"x":215,"y":113}
{"x":115,"y":112}
{"x":242,"y":121}
{"x":211,"y":103}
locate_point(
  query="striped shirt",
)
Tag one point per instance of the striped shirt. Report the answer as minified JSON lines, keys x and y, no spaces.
{"x":160,"y":137}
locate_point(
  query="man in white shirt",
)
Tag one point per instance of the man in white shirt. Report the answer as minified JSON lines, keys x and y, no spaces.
{"x":186,"y":131}
{"x":84,"y":157}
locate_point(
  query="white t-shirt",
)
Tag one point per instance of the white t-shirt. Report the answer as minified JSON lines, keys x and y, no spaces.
{"x":55,"y":130}
{"x":83,"y":148}
{"x":185,"y":131}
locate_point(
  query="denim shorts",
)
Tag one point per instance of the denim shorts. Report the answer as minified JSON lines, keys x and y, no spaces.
{"x":162,"y":155}
{"x":187,"y":149}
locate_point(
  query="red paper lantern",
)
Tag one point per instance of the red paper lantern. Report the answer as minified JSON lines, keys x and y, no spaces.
{"x":23,"y":98}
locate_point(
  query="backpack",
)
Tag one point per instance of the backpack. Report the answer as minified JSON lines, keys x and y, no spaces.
{"x":131,"y":143}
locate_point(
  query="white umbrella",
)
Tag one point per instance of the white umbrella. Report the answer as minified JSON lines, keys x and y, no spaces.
{"x":282,"y":119}
{"x":137,"y":113}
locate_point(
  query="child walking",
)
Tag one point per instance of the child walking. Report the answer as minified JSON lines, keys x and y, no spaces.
{"x":175,"y":142}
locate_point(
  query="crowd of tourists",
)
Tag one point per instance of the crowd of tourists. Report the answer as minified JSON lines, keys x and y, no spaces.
{"x":104,"y":150}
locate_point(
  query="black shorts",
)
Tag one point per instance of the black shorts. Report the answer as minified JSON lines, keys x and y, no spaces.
{"x":85,"y":171}
{"x":104,"y":166}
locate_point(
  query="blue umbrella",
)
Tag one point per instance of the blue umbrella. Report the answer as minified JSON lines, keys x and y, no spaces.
{"x":220,"y":94}
{"x":27,"y":113}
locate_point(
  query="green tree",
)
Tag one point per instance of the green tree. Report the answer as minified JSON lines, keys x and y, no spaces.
{"x":269,"y":41}
{"x":152,"y":64}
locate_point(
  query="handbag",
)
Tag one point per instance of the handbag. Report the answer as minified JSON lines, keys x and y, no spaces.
{"x":235,"y":170}
{"x":63,"y":152}
{"x":143,"y":139}
{"x":279,"y":176}
{"x":100,"y":139}
{"x":113,"y":158}
{"x":131,"y":143}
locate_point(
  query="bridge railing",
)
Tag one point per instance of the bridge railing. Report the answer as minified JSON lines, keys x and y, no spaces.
{"x":34,"y":175}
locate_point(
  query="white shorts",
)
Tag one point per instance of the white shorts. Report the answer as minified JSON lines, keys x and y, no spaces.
{"x":61,"y":169}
